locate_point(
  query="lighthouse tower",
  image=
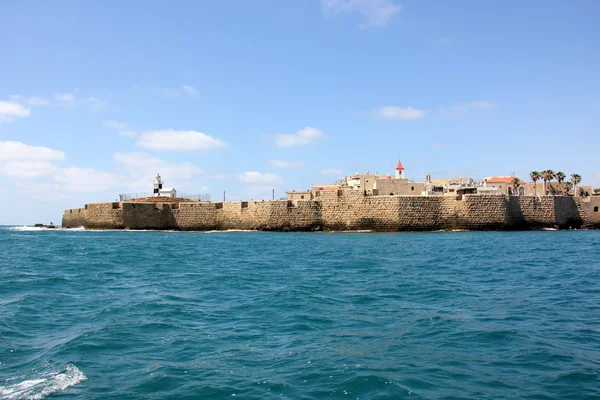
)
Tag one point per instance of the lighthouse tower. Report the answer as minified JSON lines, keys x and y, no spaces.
{"x":400,"y":171}
{"x":158,"y":184}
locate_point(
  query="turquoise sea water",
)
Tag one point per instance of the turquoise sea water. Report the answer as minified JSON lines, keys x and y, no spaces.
{"x":158,"y":315}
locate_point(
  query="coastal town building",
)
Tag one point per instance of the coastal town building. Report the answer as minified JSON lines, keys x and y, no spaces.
{"x":299,"y":195}
{"x":505,"y":184}
{"x":374,"y":184}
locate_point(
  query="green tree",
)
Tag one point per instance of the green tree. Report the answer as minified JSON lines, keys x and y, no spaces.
{"x":575,"y":180}
{"x":547,"y":176}
{"x":560,"y":177}
{"x":535,"y":176}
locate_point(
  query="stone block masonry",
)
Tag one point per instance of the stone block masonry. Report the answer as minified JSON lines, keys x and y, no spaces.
{"x":346,"y":210}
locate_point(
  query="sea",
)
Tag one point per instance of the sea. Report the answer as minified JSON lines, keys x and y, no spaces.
{"x":263,"y":315}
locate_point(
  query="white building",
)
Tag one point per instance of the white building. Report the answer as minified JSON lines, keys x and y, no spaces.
{"x":159,"y":191}
{"x":167,"y":192}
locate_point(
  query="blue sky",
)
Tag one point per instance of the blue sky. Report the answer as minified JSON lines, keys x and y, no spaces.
{"x":244,"y":96}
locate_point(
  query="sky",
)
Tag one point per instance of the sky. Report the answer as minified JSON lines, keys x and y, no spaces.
{"x":247,"y":96}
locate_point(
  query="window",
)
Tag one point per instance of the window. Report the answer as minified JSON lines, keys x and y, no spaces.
{"x":412,"y":188}
{"x":596,"y":209}
{"x":244,"y":204}
{"x":302,"y":197}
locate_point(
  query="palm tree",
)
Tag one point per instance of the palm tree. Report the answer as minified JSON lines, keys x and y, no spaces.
{"x":535,"y":176}
{"x":547,"y":176}
{"x":567,"y":186}
{"x":575,"y":180}
{"x":560,"y":177}
{"x":516,"y":182}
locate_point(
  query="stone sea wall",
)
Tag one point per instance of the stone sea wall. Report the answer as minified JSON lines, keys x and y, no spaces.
{"x":347,"y":210}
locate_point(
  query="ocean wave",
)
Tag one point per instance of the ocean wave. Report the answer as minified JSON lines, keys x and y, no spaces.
{"x":49,"y":383}
{"x":26,"y":228}
{"x":231,"y":230}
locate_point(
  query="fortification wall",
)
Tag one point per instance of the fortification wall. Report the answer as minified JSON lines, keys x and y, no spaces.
{"x":347,"y":210}
{"x":196,"y":216}
{"x":103,"y":216}
{"x":589,"y":211}
{"x":424,"y":213}
{"x":148,"y":216}
{"x":479,"y":212}
{"x":74,"y":218}
{"x":531,"y":212}
{"x":281,"y":215}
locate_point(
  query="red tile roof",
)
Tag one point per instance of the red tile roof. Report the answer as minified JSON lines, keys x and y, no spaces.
{"x":400,"y":167}
{"x":503,"y":179}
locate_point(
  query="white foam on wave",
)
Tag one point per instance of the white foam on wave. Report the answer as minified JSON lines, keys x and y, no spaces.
{"x":26,"y":228}
{"x":69,"y":376}
{"x":232,"y":230}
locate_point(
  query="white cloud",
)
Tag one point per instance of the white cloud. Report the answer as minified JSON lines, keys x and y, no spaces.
{"x":24,"y":162}
{"x":26,"y":168}
{"x":401,"y":113}
{"x":70,"y":100}
{"x":114,"y":124}
{"x":253,"y":177}
{"x":331,"y":171}
{"x":33,"y":100}
{"x":65,"y":98}
{"x":286,"y":164}
{"x":75,"y":179}
{"x":189,"y":90}
{"x":13,"y":150}
{"x":10,"y":110}
{"x":142,"y":168}
{"x":130,"y":134}
{"x":376,"y":13}
{"x":37,"y":101}
{"x":94,"y":103}
{"x":301,"y":138}
{"x":179,"y":140}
